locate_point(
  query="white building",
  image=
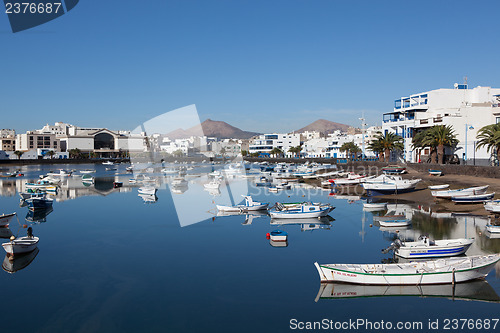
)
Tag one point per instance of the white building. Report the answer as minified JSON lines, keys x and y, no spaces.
{"x":267,"y":142}
{"x":226,"y":147}
{"x":466,"y":110}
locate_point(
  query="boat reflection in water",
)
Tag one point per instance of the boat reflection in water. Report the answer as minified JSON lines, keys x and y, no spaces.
{"x":478,"y":290}
{"x":5,"y":233}
{"x":148,"y":198}
{"x":249,"y":216}
{"x":278,"y":243}
{"x":20,"y":261}
{"x":38,"y":215}
{"x":307,"y":224}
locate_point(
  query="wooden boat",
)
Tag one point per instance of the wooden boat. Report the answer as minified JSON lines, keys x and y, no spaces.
{"x":278,"y":244}
{"x":438,"y":187}
{"x":389,"y":185}
{"x":61,"y":173}
{"x":278,"y":236}
{"x":477,"y":290}
{"x":447,"y":194}
{"x":393,"y":170}
{"x":22,"y":244}
{"x":6,"y":218}
{"x":492,"y":206}
{"x":375,"y":205}
{"x":426,"y":248}
{"x":249,"y":206}
{"x":107,"y":163}
{"x":42,"y":184}
{"x":300,"y":211}
{"x":440,"y":271}
{"x":478,"y":198}
{"x":435,"y":172}
{"x":492,"y":228}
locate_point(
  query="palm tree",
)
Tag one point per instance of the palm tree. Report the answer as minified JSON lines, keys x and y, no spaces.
{"x":437,"y":137}
{"x":377,"y":148}
{"x":51,"y":153}
{"x":350,"y":148}
{"x":276,"y":151}
{"x":295,"y":150}
{"x":18,"y":153}
{"x":388,"y":142}
{"x":489,"y":137}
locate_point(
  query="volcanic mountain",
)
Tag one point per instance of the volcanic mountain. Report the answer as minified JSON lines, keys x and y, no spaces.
{"x":212,"y":128}
{"x":324,"y":126}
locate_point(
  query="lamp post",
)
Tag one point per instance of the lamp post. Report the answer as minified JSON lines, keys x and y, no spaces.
{"x":467,"y":127}
{"x":363,"y":124}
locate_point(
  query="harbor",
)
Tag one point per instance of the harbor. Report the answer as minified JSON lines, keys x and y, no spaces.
{"x":263,"y":236}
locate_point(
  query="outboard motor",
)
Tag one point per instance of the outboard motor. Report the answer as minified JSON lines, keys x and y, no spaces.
{"x":30,"y":232}
{"x":395,"y":245}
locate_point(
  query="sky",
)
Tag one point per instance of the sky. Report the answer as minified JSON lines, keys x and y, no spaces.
{"x":262,"y":66}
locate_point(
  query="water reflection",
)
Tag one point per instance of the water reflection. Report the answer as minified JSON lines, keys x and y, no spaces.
{"x":20,"y":261}
{"x":39,"y":215}
{"x":478,"y":290}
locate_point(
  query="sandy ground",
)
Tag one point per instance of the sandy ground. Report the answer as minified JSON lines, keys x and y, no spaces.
{"x":422,"y":195}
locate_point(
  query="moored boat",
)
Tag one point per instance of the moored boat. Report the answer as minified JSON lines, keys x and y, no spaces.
{"x":440,"y":271}
{"x":300,"y":210}
{"x":435,"y":172}
{"x":249,"y":205}
{"x":426,"y":248}
{"x":278,"y":236}
{"x":492,"y":206}
{"x":39,"y":203}
{"x":492,"y":228}
{"x":147,"y":190}
{"x":393,"y":170}
{"x":447,"y":194}
{"x":438,"y":187}
{"x":21,"y":244}
{"x":6,"y":218}
{"x":477,"y":198}
{"x":385,"y":184}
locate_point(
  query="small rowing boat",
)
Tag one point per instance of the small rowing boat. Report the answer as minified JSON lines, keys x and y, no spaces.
{"x":278,"y":236}
{"x":435,"y":172}
{"x":447,"y":194}
{"x":5,"y":219}
{"x":448,"y":270}
{"x":478,"y":198}
{"x":22,"y":244}
{"x":438,"y":187}
{"x":300,"y":211}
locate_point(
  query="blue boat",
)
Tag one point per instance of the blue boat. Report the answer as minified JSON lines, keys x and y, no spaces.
{"x":279,"y":236}
{"x":39,"y":203}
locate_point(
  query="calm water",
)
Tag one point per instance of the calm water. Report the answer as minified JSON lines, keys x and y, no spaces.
{"x":110,"y":262}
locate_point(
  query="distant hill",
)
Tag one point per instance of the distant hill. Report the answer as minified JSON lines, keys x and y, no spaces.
{"x":324,"y":126}
{"x":212,"y":128}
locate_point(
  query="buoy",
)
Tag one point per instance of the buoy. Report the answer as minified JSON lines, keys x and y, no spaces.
{"x":25,"y":226}
{"x":397,"y":231}
{"x":12,"y":237}
{"x":303,"y":195}
{"x":268,"y":235}
{"x":371,"y":225}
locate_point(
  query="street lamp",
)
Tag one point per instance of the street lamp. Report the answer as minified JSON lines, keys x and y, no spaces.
{"x":363,"y":124}
{"x":467,"y":127}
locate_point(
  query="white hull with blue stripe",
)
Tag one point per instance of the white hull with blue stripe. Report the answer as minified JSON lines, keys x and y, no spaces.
{"x":304,"y":210}
{"x":426,"y":248}
{"x":446,"y":270}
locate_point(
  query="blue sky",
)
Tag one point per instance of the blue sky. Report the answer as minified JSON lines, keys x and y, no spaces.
{"x":258,"y":65}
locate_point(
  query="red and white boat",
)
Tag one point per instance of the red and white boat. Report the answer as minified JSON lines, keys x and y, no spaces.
{"x":351,"y":179}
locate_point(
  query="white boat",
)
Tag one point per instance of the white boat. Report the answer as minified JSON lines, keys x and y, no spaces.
{"x":492,"y":228}
{"x":448,"y":270}
{"x":41,"y":184}
{"x":375,"y":205}
{"x":492,"y":206}
{"x":249,"y":205}
{"x":426,"y":248}
{"x":477,"y":198}
{"x":351,"y":179}
{"x":107,"y":163}
{"x":147,"y":190}
{"x":179,"y":181}
{"x":438,"y":187}
{"x":5,"y":219}
{"x":386,"y":184}
{"x":435,"y":172}
{"x":447,"y":194}
{"x":87,"y":171}
{"x":169,"y":171}
{"x":300,"y":211}
{"x":21,"y":244}
{"x":278,"y":236}
{"x":212,"y":185}
{"x":392,"y":220}
{"x":21,"y":261}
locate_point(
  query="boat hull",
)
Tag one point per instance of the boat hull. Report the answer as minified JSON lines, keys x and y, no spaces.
{"x":298,"y":215}
{"x":5,"y":219}
{"x":20,"y":245}
{"x":450,"y":250}
{"x":330,"y":273}
{"x":242,"y":208}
